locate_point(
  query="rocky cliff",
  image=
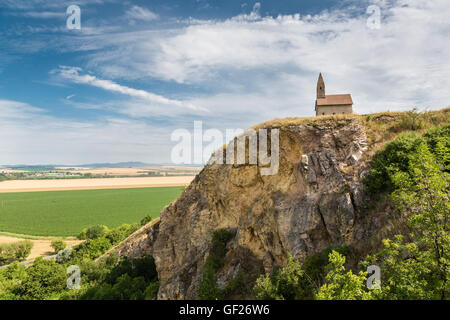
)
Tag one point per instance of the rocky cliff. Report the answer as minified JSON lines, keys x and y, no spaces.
{"x":315,"y":200}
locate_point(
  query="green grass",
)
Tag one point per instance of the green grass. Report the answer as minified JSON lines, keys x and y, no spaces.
{"x":66,"y":213}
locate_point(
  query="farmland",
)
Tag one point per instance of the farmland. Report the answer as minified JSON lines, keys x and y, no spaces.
{"x":66,"y":213}
{"x":94,"y":183}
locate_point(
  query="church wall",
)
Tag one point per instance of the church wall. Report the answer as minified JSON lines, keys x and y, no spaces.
{"x":337,"y":109}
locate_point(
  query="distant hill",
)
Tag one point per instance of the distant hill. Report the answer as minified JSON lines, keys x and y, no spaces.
{"x":113,"y":165}
{"x":130,"y":164}
{"x":89,"y":165}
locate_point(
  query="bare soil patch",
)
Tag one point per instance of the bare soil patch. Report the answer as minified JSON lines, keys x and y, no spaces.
{"x":40,"y":247}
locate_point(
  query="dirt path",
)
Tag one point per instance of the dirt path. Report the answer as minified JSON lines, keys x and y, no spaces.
{"x":95,"y":183}
{"x":40,"y":247}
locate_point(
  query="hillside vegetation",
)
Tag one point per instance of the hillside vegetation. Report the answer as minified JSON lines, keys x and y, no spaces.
{"x":413,"y":170}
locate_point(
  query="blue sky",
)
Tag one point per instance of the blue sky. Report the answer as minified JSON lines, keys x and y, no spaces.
{"x":117,"y":88}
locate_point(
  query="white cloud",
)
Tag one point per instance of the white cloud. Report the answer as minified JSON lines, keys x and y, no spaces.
{"x":73,"y":74}
{"x":139,"y":13}
{"x":41,"y":14}
{"x":243,"y":70}
{"x":401,"y":65}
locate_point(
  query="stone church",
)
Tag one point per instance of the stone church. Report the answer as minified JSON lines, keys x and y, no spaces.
{"x":332,"y":103}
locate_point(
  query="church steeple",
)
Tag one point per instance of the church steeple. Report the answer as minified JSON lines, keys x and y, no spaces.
{"x":320,"y":87}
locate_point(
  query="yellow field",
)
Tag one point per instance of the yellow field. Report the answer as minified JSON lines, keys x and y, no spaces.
{"x":94,"y":183}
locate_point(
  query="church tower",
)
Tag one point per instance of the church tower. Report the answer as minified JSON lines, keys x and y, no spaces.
{"x":320,"y":88}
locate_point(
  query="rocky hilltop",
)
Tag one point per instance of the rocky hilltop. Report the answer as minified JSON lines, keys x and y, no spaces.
{"x":315,"y":200}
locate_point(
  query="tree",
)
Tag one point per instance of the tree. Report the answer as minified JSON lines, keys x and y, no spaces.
{"x":17,"y":250}
{"x":416,"y":266}
{"x":42,"y":278}
{"x":343,"y":286}
{"x":58,"y":245}
{"x":22,"y":249}
{"x":283,"y":284}
{"x":93,"y":232}
{"x":146,"y":219}
{"x":423,"y":195}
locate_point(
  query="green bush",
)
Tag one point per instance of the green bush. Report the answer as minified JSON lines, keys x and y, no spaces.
{"x":438,"y":141}
{"x":120,"y":233}
{"x":22,"y":249}
{"x":58,"y":245}
{"x":393,"y":157}
{"x":92,"y":249}
{"x":93,"y":232}
{"x":17,"y":250}
{"x":151,"y":291}
{"x":282,"y":283}
{"x":42,"y":278}
{"x":134,"y":279}
{"x":412,"y":120}
{"x":295,"y":280}
{"x":6,"y":253}
{"x":208,"y":289}
{"x":146,"y":220}
{"x":141,"y":267}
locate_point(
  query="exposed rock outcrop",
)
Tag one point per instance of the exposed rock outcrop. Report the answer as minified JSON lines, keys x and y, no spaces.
{"x":315,"y":200}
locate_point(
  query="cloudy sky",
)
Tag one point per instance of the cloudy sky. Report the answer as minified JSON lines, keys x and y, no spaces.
{"x":117,"y":88}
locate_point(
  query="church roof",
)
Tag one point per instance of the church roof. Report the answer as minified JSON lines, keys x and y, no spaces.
{"x":335,"y":99}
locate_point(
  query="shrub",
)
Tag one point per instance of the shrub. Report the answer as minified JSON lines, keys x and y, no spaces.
{"x":42,"y":278}
{"x":92,"y":249}
{"x":141,"y":267}
{"x":22,"y":249}
{"x":93,"y":232}
{"x":64,"y":255}
{"x":295,"y":281}
{"x":282,"y":284}
{"x":412,"y":120}
{"x":120,"y":233}
{"x":58,"y":245}
{"x":6,"y":253}
{"x":393,"y":157}
{"x":341,"y":285}
{"x":146,"y":220}
{"x":134,"y":279}
{"x":151,"y":291}
{"x":208,"y":289}
{"x":17,"y":250}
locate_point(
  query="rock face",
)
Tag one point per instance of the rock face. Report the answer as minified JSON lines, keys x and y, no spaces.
{"x":315,"y":200}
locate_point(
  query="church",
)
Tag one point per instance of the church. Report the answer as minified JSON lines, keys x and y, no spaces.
{"x":332,"y":103}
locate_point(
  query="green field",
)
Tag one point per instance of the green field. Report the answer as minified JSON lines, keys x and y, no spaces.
{"x":66,"y":213}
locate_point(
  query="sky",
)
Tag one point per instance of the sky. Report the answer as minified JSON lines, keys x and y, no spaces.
{"x":115,"y":89}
